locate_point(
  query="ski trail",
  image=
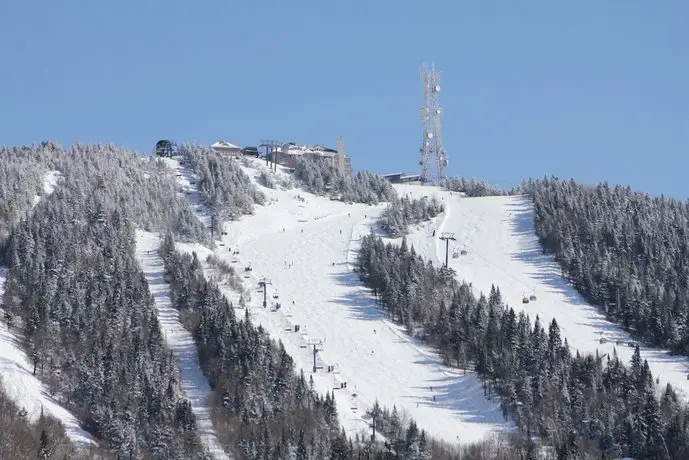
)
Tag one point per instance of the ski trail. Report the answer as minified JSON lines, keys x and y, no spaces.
{"x":26,"y":389}
{"x":16,"y":370}
{"x":193,"y":382}
{"x":503,"y":249}
{"x":331,"y":307}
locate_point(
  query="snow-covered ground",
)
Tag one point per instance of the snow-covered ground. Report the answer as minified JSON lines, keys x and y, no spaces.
{"x":502,"y":248}
{"x":193,"y":382}
{"x":16,"y":372}
{"x":16,"y":369}
{"x":50,"y":181}
{"x":301,"y":245}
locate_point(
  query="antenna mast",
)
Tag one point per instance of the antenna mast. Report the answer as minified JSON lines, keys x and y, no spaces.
{"x":432,"y":145}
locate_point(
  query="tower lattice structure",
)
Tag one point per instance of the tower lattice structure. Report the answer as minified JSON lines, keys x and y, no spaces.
{"x":432,"y":149}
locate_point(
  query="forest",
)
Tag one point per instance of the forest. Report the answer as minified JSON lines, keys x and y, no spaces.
{"x":582,"y":405}
{"x":473,"y":187}
{"x":322,"y":179}
{"x":404,"y":212}
{"x":225,"y":189}
{"x":626,"y":252}
{"x":74,"y":284}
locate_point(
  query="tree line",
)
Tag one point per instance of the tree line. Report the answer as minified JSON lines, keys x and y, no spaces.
{"x":579,"y":404}
{"x":404,"y":212}
{"x":74,"y":284}
{"x":224,"y":187}
{"x":473,"y":187}
{"x":320,"y":178}
{"x":624,"y":251}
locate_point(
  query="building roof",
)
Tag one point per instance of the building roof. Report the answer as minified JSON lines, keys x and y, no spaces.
{"x":224,"y":145}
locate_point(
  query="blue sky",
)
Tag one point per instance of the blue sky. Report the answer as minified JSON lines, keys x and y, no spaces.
{"x":595,"y":90}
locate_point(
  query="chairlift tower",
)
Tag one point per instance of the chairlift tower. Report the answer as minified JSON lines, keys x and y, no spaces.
{"x":432,"y":149}
{"x":447,"y":237}
{"x":271,"y":147}
{"x":263,"y":285}
{"x":316,"y":345}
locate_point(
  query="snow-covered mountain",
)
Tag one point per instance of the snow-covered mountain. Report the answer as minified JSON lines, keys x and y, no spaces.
{"x":301,"y":249}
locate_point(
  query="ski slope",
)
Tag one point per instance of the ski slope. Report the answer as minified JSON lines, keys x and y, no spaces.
{"x":301,"y":244}
{"x":193,"y":382}
{"x":16,"y":369}
{"x":502,"y":248}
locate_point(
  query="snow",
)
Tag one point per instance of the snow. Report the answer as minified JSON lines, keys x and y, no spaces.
{"x":186,"y":179}
{"x":224,"y":145}
{"x":302,"y":244}
{"x":193,"y":382}
{"x":502,"y":248}
{"x":16,"y":373}
{"x":50,"y":181}
{"x":16,"y":370}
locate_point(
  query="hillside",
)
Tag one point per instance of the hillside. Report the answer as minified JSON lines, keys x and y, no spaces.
{"x":502,"y":247}
{"x":160,"y":265}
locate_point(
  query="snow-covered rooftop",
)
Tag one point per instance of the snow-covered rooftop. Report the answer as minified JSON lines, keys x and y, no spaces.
{"x":224,"y":145}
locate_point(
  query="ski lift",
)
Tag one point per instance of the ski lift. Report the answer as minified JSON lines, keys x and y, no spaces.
{"x":532,"y":297}
{"x":455,"y":254}
{"x":248,"y":268}
{"x":463,"y":252}
{"x":525,"y":300}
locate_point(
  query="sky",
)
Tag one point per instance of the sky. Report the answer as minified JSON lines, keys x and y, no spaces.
{"x":594,"y":90}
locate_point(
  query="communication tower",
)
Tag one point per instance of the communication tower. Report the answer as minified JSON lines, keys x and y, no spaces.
{"x":432,"y":149}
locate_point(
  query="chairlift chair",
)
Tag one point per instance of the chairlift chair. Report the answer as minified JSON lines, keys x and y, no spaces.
{"x":463,"y":252}
{"x":525,"y":299}
{"x":532,"y":297}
